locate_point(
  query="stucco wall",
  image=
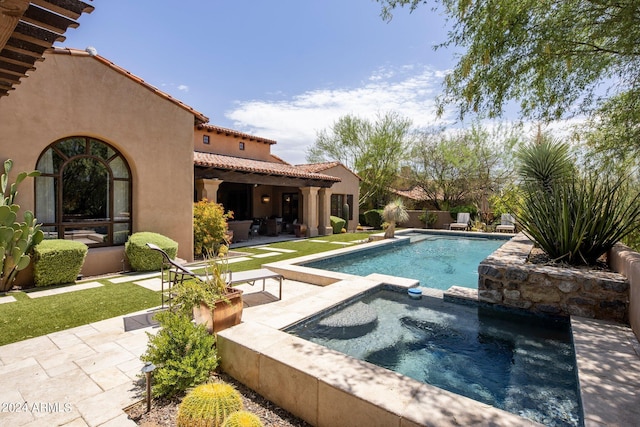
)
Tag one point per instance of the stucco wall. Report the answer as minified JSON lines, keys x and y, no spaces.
{"x":78,"y":95}
{"x":627,"y":262}
{"x":229,"y":145}
{"x":350,"y":184}
{"x":443,"y":218}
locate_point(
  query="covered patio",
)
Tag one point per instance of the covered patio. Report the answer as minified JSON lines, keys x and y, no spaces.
{"x":271,"y":198}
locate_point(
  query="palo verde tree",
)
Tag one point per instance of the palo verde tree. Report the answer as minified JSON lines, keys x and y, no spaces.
{"x":549,"y":56}
{"x":374,"y":150}
{"x":467,"y":165}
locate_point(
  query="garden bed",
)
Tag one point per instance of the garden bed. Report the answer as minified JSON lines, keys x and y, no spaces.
{"x":508,"y":278}
{"x":163,"y":411}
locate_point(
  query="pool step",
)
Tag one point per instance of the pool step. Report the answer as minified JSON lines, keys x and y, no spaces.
{"x":461,"y":295}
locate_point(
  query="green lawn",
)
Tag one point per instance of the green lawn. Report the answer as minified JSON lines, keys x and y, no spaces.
{"x":28,"y":318}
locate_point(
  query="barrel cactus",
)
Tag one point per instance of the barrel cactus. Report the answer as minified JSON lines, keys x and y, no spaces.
{"x":208,"y":405}
{"x":242,"y":419}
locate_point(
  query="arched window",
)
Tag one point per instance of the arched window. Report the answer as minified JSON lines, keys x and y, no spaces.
{"x":84,"y":192}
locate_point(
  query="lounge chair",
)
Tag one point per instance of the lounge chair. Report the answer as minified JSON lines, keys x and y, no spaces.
{"x":176,"y":273}
{"x":252,"y":276}
{"x":507,"y":224}
{"x":462,"y":222}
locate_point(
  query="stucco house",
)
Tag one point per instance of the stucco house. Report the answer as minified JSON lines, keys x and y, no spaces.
{"x":118,"y":156}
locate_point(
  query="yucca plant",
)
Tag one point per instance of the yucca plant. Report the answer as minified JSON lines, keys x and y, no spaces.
{"x":578,"y":220}
{"x":575,"y":218}
{"x":545,"y":162}
{"x":393,"y":213}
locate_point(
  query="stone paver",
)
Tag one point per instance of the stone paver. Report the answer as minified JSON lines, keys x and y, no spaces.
{"x":266,"y":255}
{"x":131,"y":277}
{"x":6,"y":299}
{"x":85,"y":376}
{"x":63,"y":290}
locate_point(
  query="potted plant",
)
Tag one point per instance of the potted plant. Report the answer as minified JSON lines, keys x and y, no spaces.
{"x":209,"y":299}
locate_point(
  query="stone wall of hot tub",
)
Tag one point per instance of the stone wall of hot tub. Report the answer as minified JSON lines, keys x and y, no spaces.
{"x":506,"y":278}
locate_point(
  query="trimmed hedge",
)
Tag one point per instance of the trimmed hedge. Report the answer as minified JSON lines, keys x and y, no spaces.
{"x":374,"y":218}
{"x":141,"y":258}
{"x":58,"y":261}
{"x":337,"y":224}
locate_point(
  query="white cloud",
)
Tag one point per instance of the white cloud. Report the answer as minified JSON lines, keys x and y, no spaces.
{"x":294,"y":123}
{"x":183,"y":88}
{"x":408,"y":90}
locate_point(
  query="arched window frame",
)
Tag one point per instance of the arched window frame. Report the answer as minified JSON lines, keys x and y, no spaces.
{"x":95,"y":232}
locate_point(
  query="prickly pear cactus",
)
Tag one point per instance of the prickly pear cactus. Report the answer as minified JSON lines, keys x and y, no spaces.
{"x":242,"y":419}
{"x":16,"y":238}
{"x":208,"y":405}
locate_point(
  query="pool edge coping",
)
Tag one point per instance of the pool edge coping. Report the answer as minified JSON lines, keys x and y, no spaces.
{"x":263,"y":345}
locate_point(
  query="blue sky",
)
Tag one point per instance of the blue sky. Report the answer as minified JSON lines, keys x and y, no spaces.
{"x":284,"y":69}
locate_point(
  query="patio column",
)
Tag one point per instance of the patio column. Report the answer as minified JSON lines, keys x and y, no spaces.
{"x":310,"y":209}
{"x":208,"y":189}
{"x":324,"y":212}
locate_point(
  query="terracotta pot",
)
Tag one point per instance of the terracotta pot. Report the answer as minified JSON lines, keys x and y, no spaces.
{"x":224,"y":315}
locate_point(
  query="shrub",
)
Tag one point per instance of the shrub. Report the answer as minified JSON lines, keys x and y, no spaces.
{"x":429,"y":218}
{"x":183,"y":353}
{"x":373,"y":217}
{"x":579,"y":219}
{"x":337,"y":224}
{"x":208,"y":405}
{"x":58,"y":261}
{"x":141,"y":258}
{"x":209,"y":227}
{"x":362,"y":220}
{"x":242,"y":419}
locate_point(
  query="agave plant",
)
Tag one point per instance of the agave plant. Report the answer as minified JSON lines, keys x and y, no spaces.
{"x":577,"y":220}
{"x":393,"y":213}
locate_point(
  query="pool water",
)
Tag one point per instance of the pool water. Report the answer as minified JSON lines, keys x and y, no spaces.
{"x":521,"y":363}
{"x":437,"y":262}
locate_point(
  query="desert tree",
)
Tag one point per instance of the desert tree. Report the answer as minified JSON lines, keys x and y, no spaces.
{"x":374,"y":150}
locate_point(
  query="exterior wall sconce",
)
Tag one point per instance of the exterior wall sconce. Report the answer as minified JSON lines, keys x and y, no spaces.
{"x":265,"y":198}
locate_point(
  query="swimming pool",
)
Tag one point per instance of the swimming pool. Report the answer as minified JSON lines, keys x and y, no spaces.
{"x":520,"y":363}
{"x":436,"y":261}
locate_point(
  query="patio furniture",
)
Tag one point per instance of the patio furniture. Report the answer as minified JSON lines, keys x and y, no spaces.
{"x":175,"y":272}
{"x":462,"y":222}
{"x":240,"y":229}
{"x":252,"y":276}
{"x":254,"y":230}
{"x":507,"y":224}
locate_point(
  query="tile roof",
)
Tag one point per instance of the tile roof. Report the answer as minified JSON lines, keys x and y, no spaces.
{"x":199,"y":117}
{"x":226,"y":131}
{"x":218,"y":161}
{"x":28,"y":29}
{"x":318,"y":167}
{"x":415,"y":193}
{"x":323,"y":166}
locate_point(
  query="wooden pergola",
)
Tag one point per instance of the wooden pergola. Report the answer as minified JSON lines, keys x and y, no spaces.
{"x":28,"y":29}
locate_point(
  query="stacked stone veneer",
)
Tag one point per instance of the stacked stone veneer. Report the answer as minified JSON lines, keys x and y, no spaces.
{"x":506,"y":278}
